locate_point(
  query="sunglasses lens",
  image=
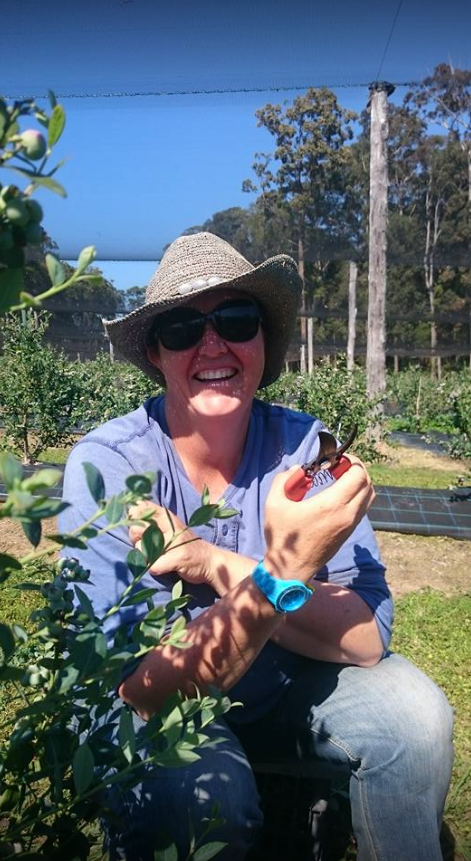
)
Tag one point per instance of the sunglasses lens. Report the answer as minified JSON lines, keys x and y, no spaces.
{"x":180,"y":328}
{"x":237,"y":320}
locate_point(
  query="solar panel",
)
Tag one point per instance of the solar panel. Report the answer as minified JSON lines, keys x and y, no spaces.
{"x":395,"y":509}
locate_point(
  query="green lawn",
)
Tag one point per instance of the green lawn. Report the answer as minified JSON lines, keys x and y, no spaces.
{"x":434,"y":631}
{"x":408,"y":476}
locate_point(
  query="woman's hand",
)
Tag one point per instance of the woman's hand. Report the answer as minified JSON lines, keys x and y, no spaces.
{"x":188,"y":555}
{"x":302,"y":536}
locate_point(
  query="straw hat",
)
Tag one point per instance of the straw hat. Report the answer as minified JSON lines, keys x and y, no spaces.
{"x":193,"y":265}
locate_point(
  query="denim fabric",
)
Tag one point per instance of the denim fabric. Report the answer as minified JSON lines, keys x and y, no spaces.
{"x":389,"y":726}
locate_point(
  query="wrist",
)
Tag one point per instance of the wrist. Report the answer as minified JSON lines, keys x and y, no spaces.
{"x":285,"y":594}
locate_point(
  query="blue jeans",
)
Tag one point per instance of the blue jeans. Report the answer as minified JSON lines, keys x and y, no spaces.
{"x":388,"y":726}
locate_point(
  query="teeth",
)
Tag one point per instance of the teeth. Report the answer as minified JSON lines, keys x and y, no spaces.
{"x":220,"y":374}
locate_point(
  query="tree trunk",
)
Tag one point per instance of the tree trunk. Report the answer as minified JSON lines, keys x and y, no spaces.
{"x":470,"y":328}
{"x":376,"y":343}
{"x":302,"y":357}
{"x":431,"y":238}
{"x":310,"y":345}
{"x":352,"y":313}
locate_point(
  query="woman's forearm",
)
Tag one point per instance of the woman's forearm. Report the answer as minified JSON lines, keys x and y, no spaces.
{"x":335,"y":625}
{"x":223,"y":642}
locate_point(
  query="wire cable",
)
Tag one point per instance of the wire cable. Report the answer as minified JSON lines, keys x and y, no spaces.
{"x":388,"y":41}
{"x":209,"y":92}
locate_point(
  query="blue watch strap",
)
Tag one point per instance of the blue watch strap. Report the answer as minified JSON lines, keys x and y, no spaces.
{"x":285,"y":595}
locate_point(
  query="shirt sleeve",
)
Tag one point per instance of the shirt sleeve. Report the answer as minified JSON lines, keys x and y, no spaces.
{"x":358,"y":566}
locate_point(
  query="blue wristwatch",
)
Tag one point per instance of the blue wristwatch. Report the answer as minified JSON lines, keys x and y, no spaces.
{"x":285,"y":595}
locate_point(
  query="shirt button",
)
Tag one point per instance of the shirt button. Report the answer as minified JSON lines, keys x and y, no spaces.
{"x":225,"y":529}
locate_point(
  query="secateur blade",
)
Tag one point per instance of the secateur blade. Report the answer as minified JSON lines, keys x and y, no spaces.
{"x":329,"y":455}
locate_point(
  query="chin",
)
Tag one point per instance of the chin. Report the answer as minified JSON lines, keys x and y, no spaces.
{"x":214,"y":404}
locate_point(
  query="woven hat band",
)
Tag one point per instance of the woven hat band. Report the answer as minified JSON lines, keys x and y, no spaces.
{"x":195,"y":263}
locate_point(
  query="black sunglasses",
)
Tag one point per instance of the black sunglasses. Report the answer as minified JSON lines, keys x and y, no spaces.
{"x":234,"y":320}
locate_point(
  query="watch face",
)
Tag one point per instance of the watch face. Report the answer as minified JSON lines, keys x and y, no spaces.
{"x":292,"y":598}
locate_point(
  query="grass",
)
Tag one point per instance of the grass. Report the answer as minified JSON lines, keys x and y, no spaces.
{"x":434,"y":631}
{"x":409,"y":476}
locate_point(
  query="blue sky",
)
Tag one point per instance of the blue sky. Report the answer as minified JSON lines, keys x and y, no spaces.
{"x":141,"y":169}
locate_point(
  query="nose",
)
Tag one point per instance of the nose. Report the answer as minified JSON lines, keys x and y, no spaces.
{"x":211,"y":343}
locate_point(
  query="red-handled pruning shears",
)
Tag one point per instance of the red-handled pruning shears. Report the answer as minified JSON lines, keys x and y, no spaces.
{"x":329,"y":457}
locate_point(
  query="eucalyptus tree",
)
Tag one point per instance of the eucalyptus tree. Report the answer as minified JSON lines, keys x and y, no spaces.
{"x":304,"y":175}
{"x":445,"y":98}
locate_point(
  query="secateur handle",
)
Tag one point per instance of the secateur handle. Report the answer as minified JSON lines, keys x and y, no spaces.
{"x":329,"y":458}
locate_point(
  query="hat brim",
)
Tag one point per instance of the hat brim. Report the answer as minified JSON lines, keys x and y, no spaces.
{"x":274,"y":284}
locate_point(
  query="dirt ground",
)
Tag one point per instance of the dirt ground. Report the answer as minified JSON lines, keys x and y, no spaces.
{"x":413,"y":561}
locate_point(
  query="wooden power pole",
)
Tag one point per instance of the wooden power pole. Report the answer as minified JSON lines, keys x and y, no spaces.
{"x":352,"y":313}
{"x":376,"y":338}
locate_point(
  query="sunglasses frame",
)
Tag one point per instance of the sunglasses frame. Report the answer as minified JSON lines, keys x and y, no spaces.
{"x":201,"y":318}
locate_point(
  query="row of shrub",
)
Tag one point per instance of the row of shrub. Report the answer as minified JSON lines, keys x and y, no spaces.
{"x":45,"y":397}
{"x":418,"y":403}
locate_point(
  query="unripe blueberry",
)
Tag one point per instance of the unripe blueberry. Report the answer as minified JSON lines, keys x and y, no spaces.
{"x":35,"y":210}
{"x":34,"y":144}
{"x":16,"y":212}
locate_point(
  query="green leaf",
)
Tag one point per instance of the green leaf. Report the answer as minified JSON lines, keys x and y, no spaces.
{"x":56,"y":270}
{"x":205,"y":497}
{"x":225,"y":512}
{"x":82,"y":765}
{"x":89,"y":532}
{"x":140,"y":596}
{"x":11,"y":285}
{"x":51,"y":184}
{"x":178,"y":626}
{"x":11,"y":674}
{"x":177,"y":590}
{"x":95,"y":482}
{"x":52,"y":98}
{"x":44,"y":508}
{"x":175,"y":758}
{"x":86,"y":256}
{"x":10,"y":469}
{"x":85,"y":602}
{"x":209,"y":850}
{"x":7,"y":565}
{"x":32,"y":529}
{"x":202,"y":515}
{"x":136,"y":562}
{"x":7,"y":641}
{"x":114,"y":510}
{"x":43,"y":478}
{"x":126,"y":734}
{"x":68,"y":541}
{"x":167,"y":853}
{"x":95,"y":280}
{"x":56,"y":125}
{"x":152,"y":543}
{"x":139,"y":484}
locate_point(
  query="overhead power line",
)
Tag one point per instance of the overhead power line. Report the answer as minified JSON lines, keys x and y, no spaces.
{"x":205,"y":92}
{"x":389,"y":40}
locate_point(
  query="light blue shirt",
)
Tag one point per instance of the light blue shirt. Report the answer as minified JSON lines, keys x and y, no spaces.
{"x":277,"y":438}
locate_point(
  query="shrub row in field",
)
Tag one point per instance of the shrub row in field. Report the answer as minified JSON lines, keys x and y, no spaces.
{"x":44,"y":396}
